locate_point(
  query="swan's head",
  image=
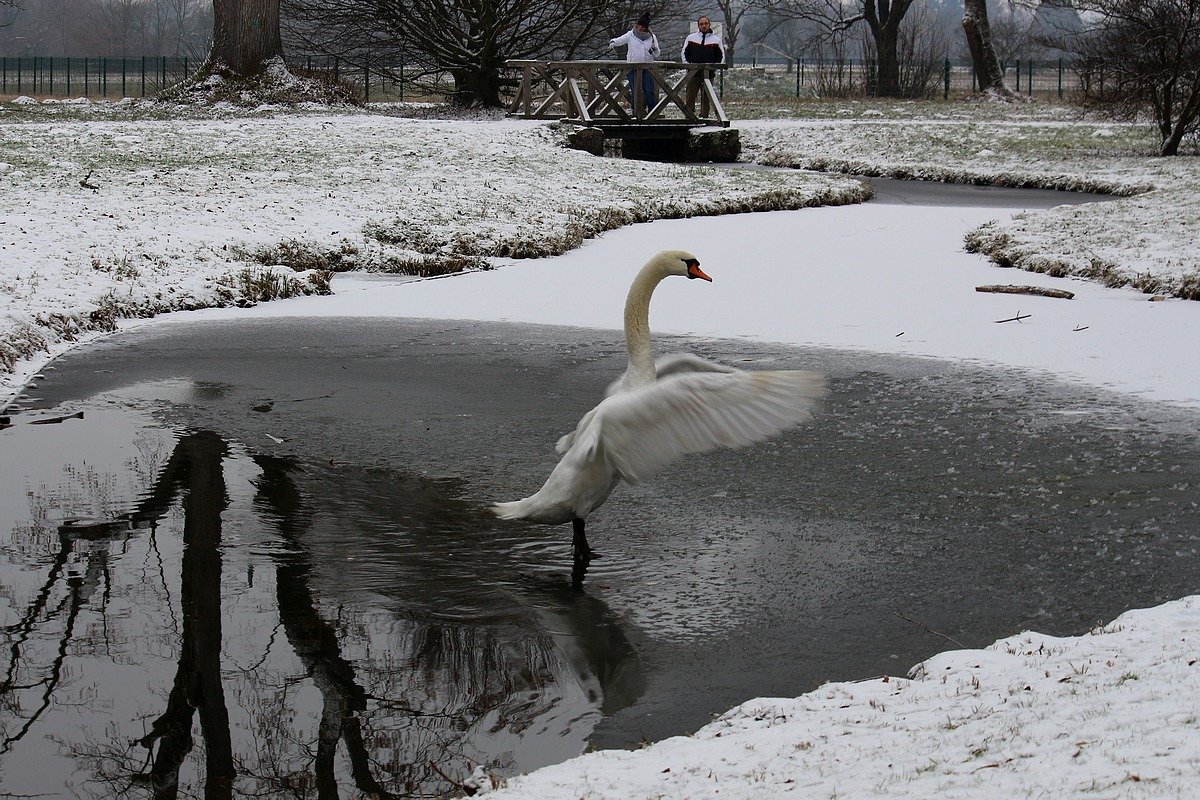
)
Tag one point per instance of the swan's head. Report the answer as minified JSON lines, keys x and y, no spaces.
{"x":679,"y":262}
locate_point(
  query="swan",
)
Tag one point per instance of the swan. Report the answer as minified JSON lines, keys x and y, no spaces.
{"x":658,"y":411}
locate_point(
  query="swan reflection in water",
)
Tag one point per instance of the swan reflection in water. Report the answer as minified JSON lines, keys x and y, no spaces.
{"x":341,"y":647}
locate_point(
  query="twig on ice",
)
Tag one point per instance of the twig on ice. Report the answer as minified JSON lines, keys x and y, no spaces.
{"x":947,"y":637}
{"x":1017,"y":318}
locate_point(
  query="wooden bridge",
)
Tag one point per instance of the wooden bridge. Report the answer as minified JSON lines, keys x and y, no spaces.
{"x":596,"y":94}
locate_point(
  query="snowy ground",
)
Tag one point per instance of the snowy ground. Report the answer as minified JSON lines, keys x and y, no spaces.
{"x":1113,"y":714}
{"x":103,"y":218}
{"x":1108,"y":715}
{"x":1147,"y":240}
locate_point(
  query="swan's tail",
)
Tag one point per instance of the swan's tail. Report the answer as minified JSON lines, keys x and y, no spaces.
{"x":517,"y":509}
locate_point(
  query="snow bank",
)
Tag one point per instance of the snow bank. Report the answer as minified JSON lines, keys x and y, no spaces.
{"x":1110,"y":714}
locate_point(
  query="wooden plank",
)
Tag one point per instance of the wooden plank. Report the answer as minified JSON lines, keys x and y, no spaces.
{"x":626,"y":64}
{"x":604,"y":94}
{"x":670,"y":95}
{"x":577,"y":96}
{"x":594,"y":91}
{"x":559,"y":93}
{"x":717,"y":108}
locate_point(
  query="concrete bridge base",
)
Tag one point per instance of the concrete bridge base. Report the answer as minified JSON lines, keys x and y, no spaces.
{"x":684,"y":144}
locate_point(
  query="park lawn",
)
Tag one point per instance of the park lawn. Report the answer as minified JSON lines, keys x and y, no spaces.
{"x":105,"y":217}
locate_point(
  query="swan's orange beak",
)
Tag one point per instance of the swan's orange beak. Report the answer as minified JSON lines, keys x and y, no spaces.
{"x":694,"y":271}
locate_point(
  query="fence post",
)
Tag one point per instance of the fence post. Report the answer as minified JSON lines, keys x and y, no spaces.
{"x":52,"y":75}
{"x":1029,"y":79}
{"x":68,"y":76}
{"x":103,"y":78}
{"x":87,"y":78}
{"x":367,"y":79}
{"x":162,"y":74}
{"x":797,"y":79}
{"x":946,"y":80}
{"x":1018,"y":76}
{"x":1060,"y":71}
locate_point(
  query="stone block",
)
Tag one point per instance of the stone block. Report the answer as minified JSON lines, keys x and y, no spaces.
{"x":719,"y":145}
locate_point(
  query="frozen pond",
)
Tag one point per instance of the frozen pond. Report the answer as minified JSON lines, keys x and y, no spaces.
{"x":299,"y":588}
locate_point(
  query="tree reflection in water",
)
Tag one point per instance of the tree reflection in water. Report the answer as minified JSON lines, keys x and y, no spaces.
{"x":362,"y":700}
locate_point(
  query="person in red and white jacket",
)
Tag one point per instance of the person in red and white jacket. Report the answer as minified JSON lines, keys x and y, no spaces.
{"x":701,"y":47}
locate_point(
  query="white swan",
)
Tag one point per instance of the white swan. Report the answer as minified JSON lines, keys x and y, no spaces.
{"x":658,"y":411}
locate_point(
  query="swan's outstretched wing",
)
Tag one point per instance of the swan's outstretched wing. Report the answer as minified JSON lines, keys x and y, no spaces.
{"x":643,"y":430}
{"x":672,"y":364}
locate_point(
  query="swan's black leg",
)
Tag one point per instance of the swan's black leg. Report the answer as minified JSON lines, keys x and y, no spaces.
{"x":578,"y":573}
{"x":582,"y":553}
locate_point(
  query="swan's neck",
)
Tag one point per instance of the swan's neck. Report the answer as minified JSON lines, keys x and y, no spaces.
{"x":637,"y":327}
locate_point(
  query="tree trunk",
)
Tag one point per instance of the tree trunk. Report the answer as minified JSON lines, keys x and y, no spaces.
{"x":887,"y":53}
{"x":245,"y":34}
{"x":983,"y":52}
{"x":477,"y":87}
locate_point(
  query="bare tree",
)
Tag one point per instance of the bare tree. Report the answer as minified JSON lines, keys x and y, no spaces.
{"x":883,"y":18}
{"x":732,"y":12}
{"x":245,"y":35}
{"x":13,"y":4}
{"x":983,"y":51}
{"x":1138,"y":56}
{"x":470,"y":39}
{"x":115,"y":28}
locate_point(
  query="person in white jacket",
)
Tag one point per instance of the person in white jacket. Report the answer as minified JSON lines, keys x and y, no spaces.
{"x":643,"y":48}
{"x":701,"y":47}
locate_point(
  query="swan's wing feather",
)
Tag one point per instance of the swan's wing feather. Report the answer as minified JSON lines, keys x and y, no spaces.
{"x":671,"y":364}
{"x":643,"y":430}
{"x":565,"y":442}
{"x":675,"y":363}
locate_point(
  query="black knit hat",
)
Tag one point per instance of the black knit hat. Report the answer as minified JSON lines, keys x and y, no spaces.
{"x":644,"y":20}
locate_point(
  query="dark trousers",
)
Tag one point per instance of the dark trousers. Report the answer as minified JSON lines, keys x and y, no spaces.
{"x":649,"y":95}
{"x":694,"y":87}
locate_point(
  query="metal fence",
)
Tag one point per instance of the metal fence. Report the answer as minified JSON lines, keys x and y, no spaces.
{"x":46,"y":76}
{"x":1047,"y":78}
{"x":146,"y":76}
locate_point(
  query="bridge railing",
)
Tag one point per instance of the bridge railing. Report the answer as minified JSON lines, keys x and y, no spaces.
{"x":598,"y":92}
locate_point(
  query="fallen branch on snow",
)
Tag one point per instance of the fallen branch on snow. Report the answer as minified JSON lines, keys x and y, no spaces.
{"x":1038,"y":290}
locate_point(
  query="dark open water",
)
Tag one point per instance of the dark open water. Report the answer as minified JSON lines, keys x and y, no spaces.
{"x":297,"y":588}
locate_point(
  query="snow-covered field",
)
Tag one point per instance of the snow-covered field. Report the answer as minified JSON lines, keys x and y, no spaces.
{"x":183,"y":205}
{"x":1148,"y":239}
{"x":199,"y":211}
